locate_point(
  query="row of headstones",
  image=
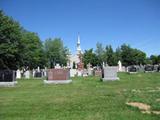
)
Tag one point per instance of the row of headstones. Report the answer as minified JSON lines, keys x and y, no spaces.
{"x":9,"y":76}
{"x":28,"y":74}
{"x":145,"y":68}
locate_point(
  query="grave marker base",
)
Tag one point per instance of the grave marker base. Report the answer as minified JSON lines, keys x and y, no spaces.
{"x":57,"y":81}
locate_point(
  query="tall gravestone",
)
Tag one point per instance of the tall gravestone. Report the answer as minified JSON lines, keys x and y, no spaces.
{"x":110,"y":73}
{"x":18,"y":74}
{"x":7,"y":78}
{"x":119,"y":66}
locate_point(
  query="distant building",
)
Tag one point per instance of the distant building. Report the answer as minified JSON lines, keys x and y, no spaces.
{"x":75,"y":57}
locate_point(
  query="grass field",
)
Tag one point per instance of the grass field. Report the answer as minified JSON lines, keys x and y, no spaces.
{"x":85,"y":99}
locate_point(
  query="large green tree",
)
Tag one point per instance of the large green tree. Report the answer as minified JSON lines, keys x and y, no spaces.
{"x":132,"y":56}
{"x":55,"y":52}
{"x":10,"y":43}
{"x":33,"y":53}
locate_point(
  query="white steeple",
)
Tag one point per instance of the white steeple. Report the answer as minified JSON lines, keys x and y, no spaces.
{"x":78,"y":45}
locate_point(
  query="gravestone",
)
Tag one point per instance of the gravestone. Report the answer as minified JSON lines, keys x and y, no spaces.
{"x":149,"y":68}
{"x":79,"y":72}
{"x":110,"y":73}
{"x":73,"y":72}
{"x":57,"y":66}
{"x":119,"y":66}
{"x":155,"y":68}
{"x":45,"y":72}
{"x":90,"y":71}
{"x":7,"y":78}
{"x":58,"y":76}
{"x":97,"y":73}
{"x":27,"y":74}
{"x":158,"y":68}
{"x":132,"y":69}
{"x":18,"y":74}
{"x":38,"y":73}
{"x":85,"y":73}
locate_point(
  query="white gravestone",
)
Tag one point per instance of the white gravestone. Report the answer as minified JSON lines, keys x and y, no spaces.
{"x":73,"y":72}
{"x":27,"y":74}
{"x":57,"y":66}
{"x":119,"y":66}
{"x":38,"y":69}
{"x":79,"y":73}
{"x":110,"y":73}
{"x":18,"y":74}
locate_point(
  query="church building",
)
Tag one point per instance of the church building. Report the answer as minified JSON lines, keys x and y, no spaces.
{"x":75,"y":58}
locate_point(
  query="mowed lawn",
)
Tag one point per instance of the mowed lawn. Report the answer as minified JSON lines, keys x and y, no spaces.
{"x":85,"y":99}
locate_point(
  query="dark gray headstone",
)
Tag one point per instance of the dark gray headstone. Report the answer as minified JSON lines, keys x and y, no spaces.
{"x":7,"y":76}
{"x":38,"y":74}
{"x":132,"y":69}
{"x":149,"y":68}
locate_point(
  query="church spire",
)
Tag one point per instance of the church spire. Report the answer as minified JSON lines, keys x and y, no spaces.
{"x":78,"y":45}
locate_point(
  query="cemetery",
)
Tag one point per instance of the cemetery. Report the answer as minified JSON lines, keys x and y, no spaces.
{"x":43,"y":79}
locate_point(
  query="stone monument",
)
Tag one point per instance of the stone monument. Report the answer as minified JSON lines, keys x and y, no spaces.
{"x":58,"y":76}
{"x":27,"y":74}
{"x":18,"y":74}
{"x":119,"y":66}
{"x":110,"y":73}
{"x":132,"y":69}
{"x":7,"y":78}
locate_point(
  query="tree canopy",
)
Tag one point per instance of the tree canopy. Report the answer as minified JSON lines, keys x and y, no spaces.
{"x":55,"y":52}
{"x":10,"y":43}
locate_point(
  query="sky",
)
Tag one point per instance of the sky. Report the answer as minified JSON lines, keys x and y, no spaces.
{"x":110,"y":22}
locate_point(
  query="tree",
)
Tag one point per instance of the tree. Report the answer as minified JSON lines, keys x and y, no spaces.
{"x":10,"y":43}
{"x":33,"y":53}
{"x":118,"y":55}
{"x":132,"y":56}
{"x":55,"y":52}
{"x":100,"y":53}
{"x":154,"y":59}
{"x":90,"y":57}
{"x":109,"y":56}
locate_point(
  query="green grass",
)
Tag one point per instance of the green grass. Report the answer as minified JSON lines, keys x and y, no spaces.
{"x":85,"y":99}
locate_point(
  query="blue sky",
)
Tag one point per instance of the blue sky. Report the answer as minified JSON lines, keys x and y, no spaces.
{"x":134,"y":22}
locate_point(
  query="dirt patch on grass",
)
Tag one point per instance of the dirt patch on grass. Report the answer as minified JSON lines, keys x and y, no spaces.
{"x":158,"y":100}
{"x":143,"y":107}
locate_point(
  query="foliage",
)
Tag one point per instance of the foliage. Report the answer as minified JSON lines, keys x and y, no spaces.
{"x":99,"y":53}
{"x":10,"y":43}
{"x":109,"y":56}
{"x":132,"y":56}
{"x":90,"y":57}
{"x":55,"y":52}
{"x":33,"y":51}
{"x":154,"y":59}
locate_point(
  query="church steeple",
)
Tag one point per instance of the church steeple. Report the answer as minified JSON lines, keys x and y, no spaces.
{"x":78,"y":45}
